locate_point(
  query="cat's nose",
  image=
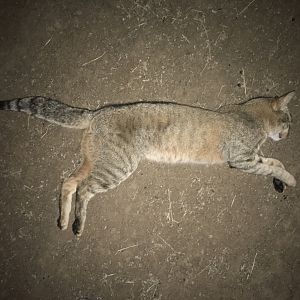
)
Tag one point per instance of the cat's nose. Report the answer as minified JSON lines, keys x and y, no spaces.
{"x":283,"y":135}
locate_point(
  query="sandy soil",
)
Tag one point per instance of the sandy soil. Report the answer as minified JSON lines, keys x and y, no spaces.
{"x":168,"y":232}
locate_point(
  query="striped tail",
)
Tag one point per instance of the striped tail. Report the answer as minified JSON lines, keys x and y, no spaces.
{"x":50,"y":110}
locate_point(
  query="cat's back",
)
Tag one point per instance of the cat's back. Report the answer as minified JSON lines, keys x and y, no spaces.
{"x":152,"y":113}
{"x":171,"y":118}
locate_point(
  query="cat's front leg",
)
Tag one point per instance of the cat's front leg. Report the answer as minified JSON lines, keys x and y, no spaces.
{"x":279,"y":186}
{"x":272,"y":162}
{"x":262,"y":166}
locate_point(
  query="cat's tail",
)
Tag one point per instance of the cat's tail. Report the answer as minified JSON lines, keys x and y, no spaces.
{"x":50,"y":110}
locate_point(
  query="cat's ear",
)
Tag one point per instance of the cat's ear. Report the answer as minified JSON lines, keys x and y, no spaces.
{"x":282,"y":102}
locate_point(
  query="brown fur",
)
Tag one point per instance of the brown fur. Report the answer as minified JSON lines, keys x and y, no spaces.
{"x":117,"y":138}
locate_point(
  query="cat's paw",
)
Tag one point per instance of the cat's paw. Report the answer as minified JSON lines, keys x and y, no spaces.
{"x":61,"y":224}
{"x":279,"y":185}
{"x":77,"y":228}
{"x":291,"y":181}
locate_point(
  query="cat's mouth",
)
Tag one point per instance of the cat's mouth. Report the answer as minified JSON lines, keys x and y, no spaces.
{"x":283,"y":135}
{"x":279,"y":136}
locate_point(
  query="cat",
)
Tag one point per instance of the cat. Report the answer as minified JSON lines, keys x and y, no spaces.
{"x":117,"y":137}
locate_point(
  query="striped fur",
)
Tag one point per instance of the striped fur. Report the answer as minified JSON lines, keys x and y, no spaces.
{"x":117,"y":138}
{"x":51,"y":110}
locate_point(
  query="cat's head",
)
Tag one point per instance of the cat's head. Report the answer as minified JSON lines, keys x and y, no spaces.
{"x":280,"y":119}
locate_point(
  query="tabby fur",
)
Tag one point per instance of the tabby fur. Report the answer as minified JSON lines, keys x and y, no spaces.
{"x":117,"y":137}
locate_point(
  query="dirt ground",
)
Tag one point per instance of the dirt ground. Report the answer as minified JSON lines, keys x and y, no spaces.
{"x":168,"y":232}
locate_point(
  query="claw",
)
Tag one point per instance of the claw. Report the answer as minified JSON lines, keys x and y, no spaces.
{"x":278,"y":185}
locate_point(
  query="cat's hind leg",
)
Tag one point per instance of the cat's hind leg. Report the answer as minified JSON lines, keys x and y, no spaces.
{"x":69,"y":187}
{"x":108,"y":172}
{"x":85,"y":192}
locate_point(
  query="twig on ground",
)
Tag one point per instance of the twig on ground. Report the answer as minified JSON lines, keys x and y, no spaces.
{"x":221,"y":88}
{"x":244,"y":81}
{"x":107,"y":275}
{"x":185,"y":38}
{"x":204,"y":269}
{"x":170,"y":215}
{"x":164,"y":241}
{"x":253,"y":264}
{"x":233,"y":200}
{"x":126,"y":248}
{"x":155,"y":284}
{"x":28,"y":121}
{"x":209,"y":56}
{"x":83,"y":65}
{"x":245,"y":8}
{"x":46,"y":131}
{"x":47,"y":43}
{"x":221,"y":212}
{"x":207,"y":38}
{"x":278,"y":222}
{"x":183,"y":206}
{"x":27,"y":187}
{"x":206,"y":64}
{"x":134,"y":196}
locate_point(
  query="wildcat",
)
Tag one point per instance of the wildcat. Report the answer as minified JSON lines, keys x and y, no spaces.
{"x":117,"y":137}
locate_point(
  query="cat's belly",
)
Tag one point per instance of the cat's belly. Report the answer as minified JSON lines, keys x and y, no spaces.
{"x":178,"y":157}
